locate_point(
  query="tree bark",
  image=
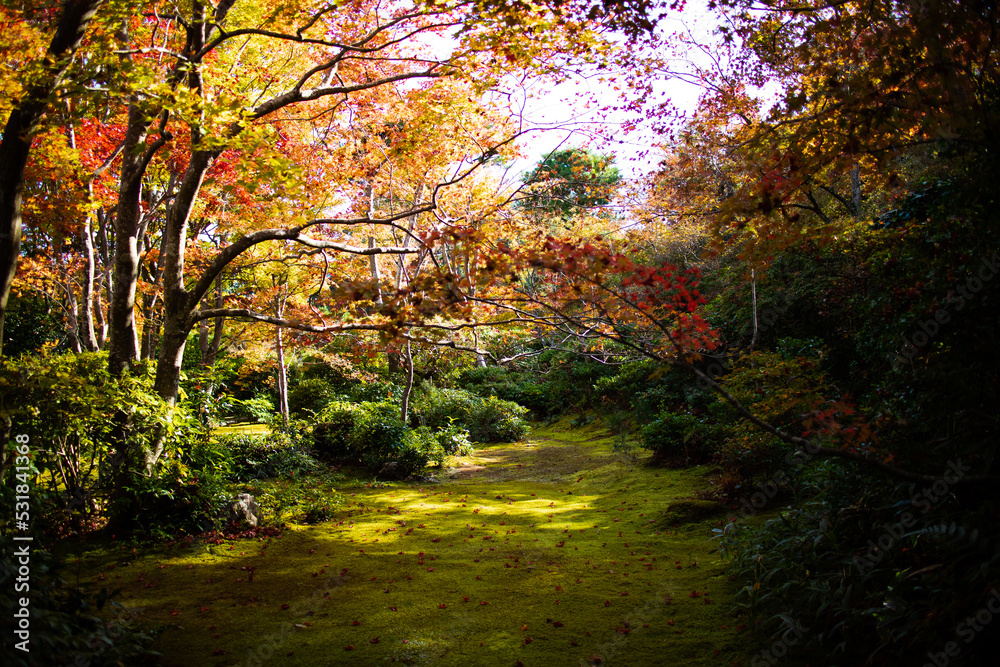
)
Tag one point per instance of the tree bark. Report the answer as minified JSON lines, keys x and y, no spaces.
{"x":856,"y":192}
{"x":177,"y":301}
{"x":19,"y":133}
{"x":404,"y":408}
{"x":124,"y":344}
{"x":279,"y":345}
{"x":88,"y":336}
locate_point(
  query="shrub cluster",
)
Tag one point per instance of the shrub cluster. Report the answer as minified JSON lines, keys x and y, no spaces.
{"x":374,"y":434}
{"x":488,"y":419}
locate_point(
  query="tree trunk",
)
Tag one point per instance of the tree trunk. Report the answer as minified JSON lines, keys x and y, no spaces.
{"x":280,"y":299}
{"x":104,"y":281}
{"x":210,"y":346}
{"x":282,"y":376}
{"x":87,"y":293}
{"x":19,"y":133}
{"x":404,"y":408}
{"x":753,"y":307}
{"x":88,"y":337}
{"x":150,"y":328}
{"x":124,"y":347}
{"x":177,"y":304}
{"x":856,"y":191}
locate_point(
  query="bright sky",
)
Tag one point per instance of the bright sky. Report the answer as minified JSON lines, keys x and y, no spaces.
{"x":573,"y":111}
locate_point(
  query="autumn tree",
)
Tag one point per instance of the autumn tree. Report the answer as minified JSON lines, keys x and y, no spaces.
{"x":569,"y":180}
{"x":45,"y":74}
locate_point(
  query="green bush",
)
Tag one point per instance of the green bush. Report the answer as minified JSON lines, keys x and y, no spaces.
{"x":318,"y":505}
{"x":257,"y":409}
{"x":680,"y":437}
{"x":73,"y":410}
{"x":488,"y":419}
{"x":254,"y":456}
{"x":177,"y":500}
{"x":454,"y":440}
{"x":309,"y":397}
{"x":332,"y":432}
{"x":379,"y":434}
{"x":816,"y":563}
{"x":65,"y":628}
{"x":546,"y":396}
{"x":497,"y":420}
{"x":375,"y":392}
{"x":438,"y":408}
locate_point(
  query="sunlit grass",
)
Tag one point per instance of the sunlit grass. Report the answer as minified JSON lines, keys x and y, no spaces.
{"x":247,"y":428}
{"x":551,"y":555}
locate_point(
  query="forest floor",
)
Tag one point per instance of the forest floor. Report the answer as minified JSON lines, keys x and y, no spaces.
{"x":555,"y":551}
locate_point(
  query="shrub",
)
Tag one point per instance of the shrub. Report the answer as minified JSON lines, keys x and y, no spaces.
{"x":375,"y":392}
{"x":438,"y":408}
{"x":454,"y":440}
{"x":815,"y":563}
{"x":70,"y":406}
{"x":309,"y":397}
{"x":545,"y":396}
{"x":318,"y":505}
{"x":496,"y":420}
{"x":65,"y":629}
{"x":332,"y":432}
{"x":257,"y":409}
{"x":421,"y":448}
{"x":488,"y":419}
{"x":254,"y":456}
{"x":178,"y":500}
{"x":379,"y":434}
{"x":680,"y":438}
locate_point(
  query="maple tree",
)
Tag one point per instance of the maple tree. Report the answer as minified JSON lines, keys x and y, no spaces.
{"x":22,"y":122}
{"x":203,"y":138}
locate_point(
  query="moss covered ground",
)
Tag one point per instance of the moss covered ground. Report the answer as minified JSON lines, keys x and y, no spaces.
{"x":550,"y":552}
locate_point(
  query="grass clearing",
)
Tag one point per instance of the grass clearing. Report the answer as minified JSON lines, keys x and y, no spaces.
{"x":551,"y":552}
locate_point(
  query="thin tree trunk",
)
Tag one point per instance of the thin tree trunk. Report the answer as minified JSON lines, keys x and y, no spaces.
{"x":279,"y":311}
{"x":282,"y":376}
{"x":103,"y":281}
{"x":150,"y":327}
{"x":88,"y":338}
{"x":87,"y":291}
{"x":177,"y":305}
{"x":404,"y":408}
{"x":753,"y":306}
{"x":210,"y":352}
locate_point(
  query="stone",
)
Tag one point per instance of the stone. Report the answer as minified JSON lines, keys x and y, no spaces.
{"x":244,"y":511}
{"x":393,"y":470}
